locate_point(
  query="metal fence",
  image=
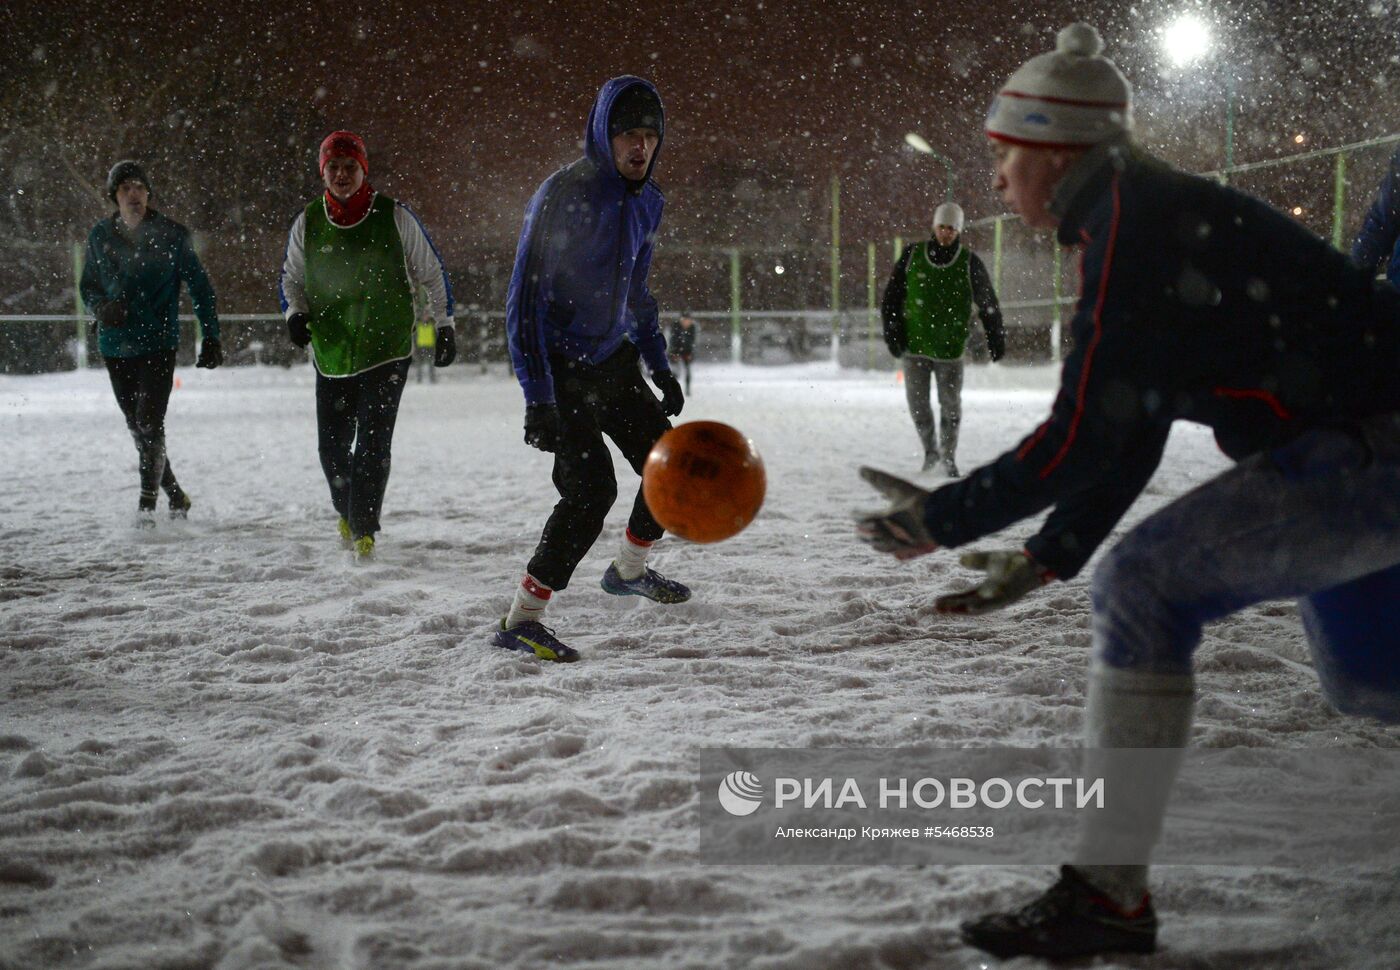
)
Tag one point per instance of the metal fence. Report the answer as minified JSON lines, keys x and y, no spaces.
{"x":744,"y":296}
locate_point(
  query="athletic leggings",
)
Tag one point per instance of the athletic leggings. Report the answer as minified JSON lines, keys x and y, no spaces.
{"x":355,"y":428}
{"x":610,"y":399}
{"x":142,"y":386}
{"x":948,"y":374}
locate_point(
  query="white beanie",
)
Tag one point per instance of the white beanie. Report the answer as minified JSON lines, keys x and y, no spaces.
{"x":949,"y":214}
{"x":1067,"y":98}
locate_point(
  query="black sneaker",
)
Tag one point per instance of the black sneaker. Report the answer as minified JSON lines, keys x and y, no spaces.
{"x":950,"y":468}
{"x":180,"y":505}
{"x":1071,"y":919}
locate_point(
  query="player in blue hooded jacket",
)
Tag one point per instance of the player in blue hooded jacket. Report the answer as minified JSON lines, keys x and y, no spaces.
{"x":578,"y":316}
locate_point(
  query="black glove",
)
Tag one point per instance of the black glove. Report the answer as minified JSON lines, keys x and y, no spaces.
{"x":211,"y":354}
{"x":542,"y":426}
{"x":112,"y":314}
{"x":672,"y":400}
{"x":1010,"y":575}
{"x":900,"y":529}
{"x":996,"y":344}
{"x":446,"y":350}
{"x":299,"y":329}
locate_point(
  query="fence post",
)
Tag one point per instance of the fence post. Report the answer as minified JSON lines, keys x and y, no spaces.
{"x":736,"y":333}
{"x":1339,"y":199}
{"x":1056,"y":322}
{"x":870,"y":295}
{"x":836,"y":268}
{"x":78,"y":307}
{"x":996,"y":255}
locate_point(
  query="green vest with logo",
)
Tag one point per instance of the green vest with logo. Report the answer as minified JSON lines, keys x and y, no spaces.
{"x":937,"y":304}
{"x":357,"y":290}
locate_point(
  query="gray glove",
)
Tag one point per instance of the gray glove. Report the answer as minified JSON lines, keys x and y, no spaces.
{"x":900,"y":529}
{"x":1010,"y":575}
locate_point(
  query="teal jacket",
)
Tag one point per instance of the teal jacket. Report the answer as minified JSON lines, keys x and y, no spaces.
{"x":145,"y":272}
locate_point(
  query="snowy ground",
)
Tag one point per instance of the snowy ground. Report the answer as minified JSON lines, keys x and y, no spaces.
{"x":224,"y":744}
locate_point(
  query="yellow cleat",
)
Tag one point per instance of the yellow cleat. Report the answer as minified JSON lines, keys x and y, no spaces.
{"x":364,"y":547}
{"x":343,"y":526}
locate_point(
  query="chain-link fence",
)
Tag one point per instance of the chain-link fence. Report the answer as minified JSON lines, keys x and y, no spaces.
{"x":766,"y":304}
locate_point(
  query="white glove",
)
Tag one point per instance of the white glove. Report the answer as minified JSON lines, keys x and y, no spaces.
{"x":900,"y":529}
{"x":1010,"y":575}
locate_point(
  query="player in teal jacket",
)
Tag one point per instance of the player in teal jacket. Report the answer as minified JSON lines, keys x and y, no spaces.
{"x":136,"y":261}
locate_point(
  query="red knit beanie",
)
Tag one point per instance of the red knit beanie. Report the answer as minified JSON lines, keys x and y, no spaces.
{"x":346,"y":144}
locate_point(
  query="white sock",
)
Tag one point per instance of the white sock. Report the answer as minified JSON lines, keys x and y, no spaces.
{"x":531,"y":597}
{"x":631,"y":559}
{"x":1128,"y":709}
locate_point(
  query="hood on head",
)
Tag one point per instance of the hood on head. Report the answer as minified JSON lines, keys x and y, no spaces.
{"x":597,"y":143}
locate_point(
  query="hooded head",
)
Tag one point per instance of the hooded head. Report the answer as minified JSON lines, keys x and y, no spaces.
{"x":1071,"y":97}
{"x":624,"y":104}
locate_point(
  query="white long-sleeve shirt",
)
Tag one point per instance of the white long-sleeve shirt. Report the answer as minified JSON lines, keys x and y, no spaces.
{"x":422,"y":266}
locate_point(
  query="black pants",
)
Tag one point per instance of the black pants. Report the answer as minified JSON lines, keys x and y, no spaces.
{"x":610,"y":399}
{"x":685,"y":359}
{"x":142,"y":385}
{"x":359,"y":412}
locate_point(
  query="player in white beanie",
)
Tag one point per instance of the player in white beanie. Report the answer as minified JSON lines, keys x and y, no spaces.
{"x":927,"y":311}
{"x":1067,"y":98}
{"x":1197,"y":303}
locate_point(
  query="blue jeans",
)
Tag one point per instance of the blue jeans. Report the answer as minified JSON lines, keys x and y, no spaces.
{"x":1317,"y":513}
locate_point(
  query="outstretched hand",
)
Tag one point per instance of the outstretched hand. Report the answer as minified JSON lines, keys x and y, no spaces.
{"x":900,"y":529}
{"x":1010,"y":575}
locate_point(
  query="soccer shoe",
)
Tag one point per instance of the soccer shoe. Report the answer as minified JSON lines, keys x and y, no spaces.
{"x":536,"y":639}
{"x":364,"y":547}
{"x":343,"y":527}
{"x":931,"y":460}
{"x":950,"y":468}
{"x":145,"y":519}
{"x":180,"y":506}
{"x":1070,"y":919}
{"x":650,"y":584}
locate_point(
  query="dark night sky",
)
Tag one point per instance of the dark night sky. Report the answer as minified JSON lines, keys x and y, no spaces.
{"x":466,"y":107}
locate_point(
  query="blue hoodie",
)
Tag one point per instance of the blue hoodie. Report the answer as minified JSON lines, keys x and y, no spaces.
{"x":1376,"y":242}
{"x":579,"y":287}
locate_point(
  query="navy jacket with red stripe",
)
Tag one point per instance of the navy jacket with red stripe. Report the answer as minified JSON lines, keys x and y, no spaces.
{"x":1198,"y":302}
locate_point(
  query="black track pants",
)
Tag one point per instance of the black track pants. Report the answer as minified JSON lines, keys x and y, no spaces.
{"x":142,"y":386}
{"x":610,"y":399}
{"x":355,"y":428}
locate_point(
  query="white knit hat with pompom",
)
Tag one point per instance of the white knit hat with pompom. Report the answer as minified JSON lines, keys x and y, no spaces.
{"x":1069,"y":97}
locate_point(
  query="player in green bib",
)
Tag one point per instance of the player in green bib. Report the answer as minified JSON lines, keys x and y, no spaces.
{"x":927,"y":313}
{"x":354,"y":259}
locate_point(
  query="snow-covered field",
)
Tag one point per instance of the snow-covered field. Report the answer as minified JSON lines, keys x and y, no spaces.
{"x":225,"y":744}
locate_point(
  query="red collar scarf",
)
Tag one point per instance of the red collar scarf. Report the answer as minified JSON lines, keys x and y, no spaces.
{"x":353,"y":209}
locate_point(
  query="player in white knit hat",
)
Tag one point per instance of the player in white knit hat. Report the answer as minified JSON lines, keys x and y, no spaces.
{"x":933,"y":292}
{"x":1203,"y":304}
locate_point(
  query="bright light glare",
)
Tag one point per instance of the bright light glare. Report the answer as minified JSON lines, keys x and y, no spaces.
{"x":916,"y":142}
{"x":1186,"y":40}
{"x":779,"y":269}
{"x":1297,"y":210}
{"x":1299,"y":139}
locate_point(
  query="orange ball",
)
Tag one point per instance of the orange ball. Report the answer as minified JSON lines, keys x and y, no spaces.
{"x":703,"y":481}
